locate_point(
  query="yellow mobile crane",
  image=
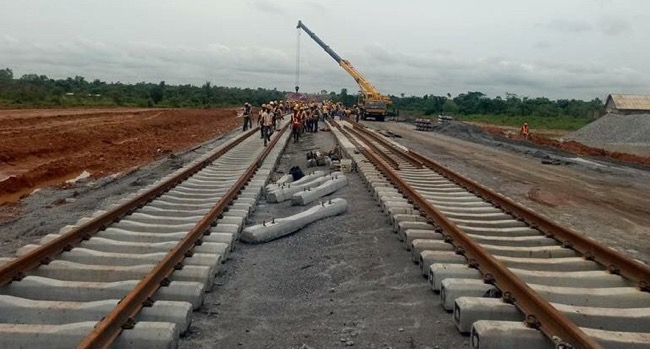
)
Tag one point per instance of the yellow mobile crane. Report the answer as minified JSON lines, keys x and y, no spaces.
{"x":376,"y":104}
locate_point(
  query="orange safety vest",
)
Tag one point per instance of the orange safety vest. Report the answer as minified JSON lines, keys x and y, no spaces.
{"x":524,"y":129}
{"x":295,"y":119}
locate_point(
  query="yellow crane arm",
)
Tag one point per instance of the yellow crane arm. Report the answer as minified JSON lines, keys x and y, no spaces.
{"x":367,"y":89}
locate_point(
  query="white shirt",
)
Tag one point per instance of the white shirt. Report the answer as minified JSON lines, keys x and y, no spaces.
{"x":267,"y":119}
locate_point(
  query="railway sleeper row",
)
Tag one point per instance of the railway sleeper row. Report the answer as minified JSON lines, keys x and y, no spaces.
{"x":58,"y":304}
{"x":607,"y":307}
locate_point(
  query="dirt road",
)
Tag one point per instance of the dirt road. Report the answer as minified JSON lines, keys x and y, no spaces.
{"x":40,"y":148}
{"x":607,"y":202}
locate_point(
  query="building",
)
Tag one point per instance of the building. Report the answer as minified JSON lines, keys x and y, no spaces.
{"x":627,"y":104}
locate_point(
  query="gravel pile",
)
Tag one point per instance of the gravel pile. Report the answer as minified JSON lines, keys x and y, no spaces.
{"x":616,"y":129}
{"x":459,"y":130}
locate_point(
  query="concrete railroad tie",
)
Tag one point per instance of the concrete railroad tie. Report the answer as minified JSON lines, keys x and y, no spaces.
{"x":282,"y":194}
{"x":288,"y":179}
{"x":335,"y":183}
{"x":284,"y":226}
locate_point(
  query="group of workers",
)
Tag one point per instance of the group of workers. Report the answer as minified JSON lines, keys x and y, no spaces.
{"x":268,"y":118}
{"x":304,"y":116}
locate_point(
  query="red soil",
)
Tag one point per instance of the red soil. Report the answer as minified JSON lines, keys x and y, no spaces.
{"x":568,"y":146}
{"x":41,"y":148}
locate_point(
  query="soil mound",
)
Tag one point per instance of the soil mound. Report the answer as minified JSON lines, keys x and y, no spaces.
{"x":39,"y":150}
{"x":459,"y":130}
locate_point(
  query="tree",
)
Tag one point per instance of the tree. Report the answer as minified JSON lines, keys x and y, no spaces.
{"x":157,"y":92}
{"x":342,"y":96}
{"x":469,"y":103}
{"x":207,"y":93}
{"x":6,"y":79}
{"x":6,"y":75}
{"x":450,"y":107}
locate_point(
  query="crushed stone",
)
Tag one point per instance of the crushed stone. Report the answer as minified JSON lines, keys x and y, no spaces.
{"x":615,"y":129}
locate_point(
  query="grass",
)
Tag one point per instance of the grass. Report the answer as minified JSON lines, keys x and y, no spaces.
{"x":561,"y":123}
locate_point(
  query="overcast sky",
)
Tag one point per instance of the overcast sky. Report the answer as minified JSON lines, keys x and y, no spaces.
{"x":558,"y":49}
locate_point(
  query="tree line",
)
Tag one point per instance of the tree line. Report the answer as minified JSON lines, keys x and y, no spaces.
{"x":477,"y":103}
{"x":39,"y":90}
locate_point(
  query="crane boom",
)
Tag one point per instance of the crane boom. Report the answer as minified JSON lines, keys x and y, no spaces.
{"x":371,"y":96}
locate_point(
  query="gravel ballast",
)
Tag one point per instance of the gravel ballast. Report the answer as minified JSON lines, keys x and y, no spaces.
{"x":340,"y":282}
{"x":616,"y":128}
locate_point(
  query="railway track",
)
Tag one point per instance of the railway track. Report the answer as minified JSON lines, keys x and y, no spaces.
{"x":131,"y":276}
{"x":511,"y":277}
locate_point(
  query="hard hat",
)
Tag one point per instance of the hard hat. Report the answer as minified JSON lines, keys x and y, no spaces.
{"x":525,"y":123}
{"x":263,"y":105}
{"x":247,"y":104}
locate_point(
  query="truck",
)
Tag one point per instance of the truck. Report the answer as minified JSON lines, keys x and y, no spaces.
{"x":376,"y":105}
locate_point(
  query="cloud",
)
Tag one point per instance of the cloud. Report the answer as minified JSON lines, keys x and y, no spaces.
{"x":542,"y":44}
{"x":607,"y":25}
{"x":568,"y":25}
{"x":137,"y":61}
{"x":391,"y":71}
{"x":269,"y":7}
{"x":613,"y":26}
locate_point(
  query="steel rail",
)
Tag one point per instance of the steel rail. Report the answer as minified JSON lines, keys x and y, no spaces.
{"x":615,"y":262}
{"x":123,"y":316}
{"x":384,"y":156}
{"x":539,"y":313}
{"x":17,"y":269}
{"x":412,"y":160}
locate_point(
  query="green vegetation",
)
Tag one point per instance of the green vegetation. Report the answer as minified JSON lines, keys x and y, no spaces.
{"x":32,"y":90}
{"x":513,"y":110}
{"x":39,"y":90}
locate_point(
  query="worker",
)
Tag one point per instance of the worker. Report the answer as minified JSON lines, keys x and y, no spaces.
{"x":248,"y":113}
{"x":309,"y":122}
{"x":274,"y":114}
{"x":357,"y":113}
{"x":524,"y":131}
{"x":295,"y":124}
{"x":274,"y":117}
{"x":347,"y":112}
{"x":259,"y":120}
{"x":303,"y":118}
{"x":326,"y":110}
{"x":267,"y":124}
{"x":314,"y":118}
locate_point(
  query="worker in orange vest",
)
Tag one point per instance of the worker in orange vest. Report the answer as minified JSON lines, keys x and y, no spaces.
{"x":524,"y":131}
{"x":296,"y":122}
